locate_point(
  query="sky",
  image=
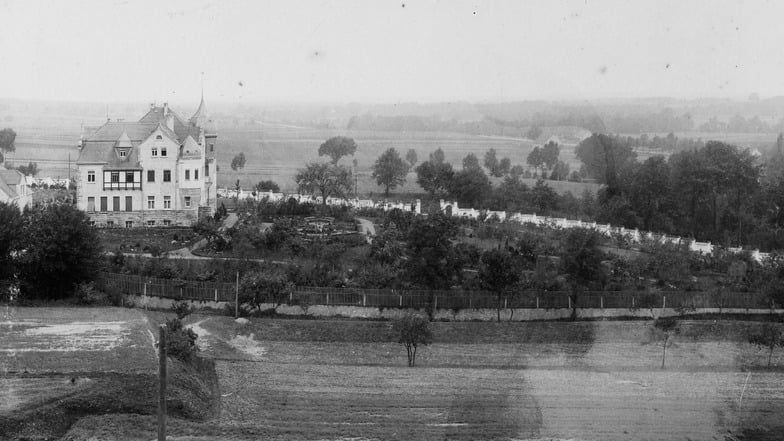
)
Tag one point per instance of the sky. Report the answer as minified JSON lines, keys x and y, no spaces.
{"x":345,"y":51}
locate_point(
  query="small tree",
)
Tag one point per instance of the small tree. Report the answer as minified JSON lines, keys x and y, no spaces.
{"x":663,"y":330}
{"x":499,"y":272}
{"x":414,"y":331}
{"x":769,"y":337}
{"x":259,"y":289}
{"x":238,"y":162}
{"x":337,"y":147}
{"x":7,"y":138}
{"x":268,"y":186}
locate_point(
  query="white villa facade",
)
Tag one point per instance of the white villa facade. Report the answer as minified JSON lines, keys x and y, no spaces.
{"x":159,"y":171}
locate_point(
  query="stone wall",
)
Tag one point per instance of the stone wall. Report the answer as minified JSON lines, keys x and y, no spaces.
{"x":139,"y":218}
{"x":462,"y":315}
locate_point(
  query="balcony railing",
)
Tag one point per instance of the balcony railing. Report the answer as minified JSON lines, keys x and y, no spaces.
{"x":122,"y":185}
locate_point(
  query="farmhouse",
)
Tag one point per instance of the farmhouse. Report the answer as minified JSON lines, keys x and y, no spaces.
{"x":158,"y":171}
{"x":15,"y":188}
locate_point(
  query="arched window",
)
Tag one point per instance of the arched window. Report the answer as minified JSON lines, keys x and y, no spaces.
{"x":158,"y":137}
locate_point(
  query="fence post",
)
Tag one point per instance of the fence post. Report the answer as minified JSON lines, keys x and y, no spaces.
{"x":291,"y":297}
{"x":180,"y":292}
{"x":601,"y":302}
{"x":664,"y":302}
{"x":632,"y":302}
{"x":537,"y":302}
{"x":435,"y":302}
{"x":505,"y":303}
{"x":401,"y":300}
{"x":569,"y":298}
{"x":364,"y":299}
{"x":216,"y":294}
{"x":237,"y":297}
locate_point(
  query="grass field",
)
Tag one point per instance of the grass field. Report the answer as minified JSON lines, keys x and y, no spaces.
{"x":292,"y":379}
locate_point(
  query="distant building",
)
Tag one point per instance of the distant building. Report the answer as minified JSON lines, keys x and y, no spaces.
{"x":158,"y":171}
{"x":15,"y":188}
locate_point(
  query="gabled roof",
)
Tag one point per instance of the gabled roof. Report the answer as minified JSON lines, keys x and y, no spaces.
{"x":9,"y":179}
{"x":158,"y":115}
{"x":123,"y":141}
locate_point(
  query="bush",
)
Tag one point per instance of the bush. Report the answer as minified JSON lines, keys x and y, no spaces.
{"x":414,"y":331}
{"x":180,"y":341}
{"x":181,"y":309}
{"x":86,"y":294}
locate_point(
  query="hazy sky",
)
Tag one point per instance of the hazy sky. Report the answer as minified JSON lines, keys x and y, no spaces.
{"x":389,"y":51}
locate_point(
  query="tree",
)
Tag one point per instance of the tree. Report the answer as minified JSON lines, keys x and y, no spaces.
{"x":471,"y":162}
{"x":390,"y":170}
{"x":10,"y":237}
{"x":650,"y":190}
{"x":491,"y":161}
{"x":337,"y":147}
{"x":498,"y":273}
{"x":7,"y":138}
{"x":260,"y":288}
{"x":432,"y":261}
{"x":581,"y":261}
{"x":535,"y":158}
{"x":328,"y":179}
{"x":533,"y":133}
{"x":61,"y":249}
{"x":543,"y":197}
{"x":470,"y":186}
{"x":550,"y":152}
{"x":434,"y":176}
{"x":414,"y":331}
{"x":437,"y":156}
{"x":238,"y":162}
{"x":504,"y":166}
{"x":411,"y":157}
{"x":268,"y":186}
{"x":663,"y":330}
{"x":769,"y":337}
{"x":516,"y":171}
{"x":560,"y":171}
{"x":31,"y":169}
{"x":604,"y":157}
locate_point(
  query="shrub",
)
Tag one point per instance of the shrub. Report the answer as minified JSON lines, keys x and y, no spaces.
{"x":181,"y":309}
{"x":180,"y":341}
{"x":86,"y":294}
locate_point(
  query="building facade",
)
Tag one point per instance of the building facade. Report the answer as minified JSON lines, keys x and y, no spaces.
{"x":159,"y":171}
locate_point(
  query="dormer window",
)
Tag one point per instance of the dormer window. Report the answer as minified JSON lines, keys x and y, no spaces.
{"x":123,"y":153}
{"x":158,"y":137}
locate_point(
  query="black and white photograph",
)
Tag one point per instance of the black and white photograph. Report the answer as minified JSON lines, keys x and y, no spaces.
{"x":372,"y":220}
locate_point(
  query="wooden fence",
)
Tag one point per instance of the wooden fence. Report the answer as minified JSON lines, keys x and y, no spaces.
{"x":391,"y":298}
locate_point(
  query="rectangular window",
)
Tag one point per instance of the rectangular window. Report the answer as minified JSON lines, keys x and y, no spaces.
{"x":128,"y":176}
{"x":167,"y":176}
{"x":166,"y":222}
{"x":116,"y":203}
{"x":154,"y":151}
{"x":116,"y":177}
{"x":187,"y":175}
{"x":123,"y":153}
{"x":187,"y":201}
{"x":104,"y":203}
{"x":212,"y":147}
{"x":167,"y":202}
{"x":90,"y":203}
{"x":150,"y":202}
{"x":196,"y":174}
{"x":206,"y":170}
{"x":90,"y":176}
{"x":109,"y":223}
{"x":128,"y":203}
{"x":150,"y":175}
{"x":128,"y":224}
{"x":163,"y":151}
{"x":150,"y":223}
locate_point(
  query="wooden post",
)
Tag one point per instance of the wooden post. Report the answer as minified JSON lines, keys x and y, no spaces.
{"x":216,"y":294}
{"x":504,"y":302}
{"x":364,"y":299}
{"x":401,"y":300}
{"x":569,"y":298}
{"x":237,"y":297}
{"x":162,"y":383}
{"x":601,"y":302}
{"x":664,"y":302}
{"x":435,"y":302}
{"x":537,"y":302}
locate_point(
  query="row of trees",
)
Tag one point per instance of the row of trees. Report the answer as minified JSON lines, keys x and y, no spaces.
{"x":717,"y":191}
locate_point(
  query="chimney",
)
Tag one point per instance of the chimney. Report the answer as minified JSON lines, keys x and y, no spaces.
{"x":170,"y":121}
{"x":165,"y":109}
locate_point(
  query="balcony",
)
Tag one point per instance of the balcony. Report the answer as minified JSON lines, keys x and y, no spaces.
{"x":122,"y":185}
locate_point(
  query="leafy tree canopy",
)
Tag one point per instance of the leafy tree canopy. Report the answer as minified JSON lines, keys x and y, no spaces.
{"x":337,"y":147}
{"x":390,"y":170}
{"x":325,"y":178}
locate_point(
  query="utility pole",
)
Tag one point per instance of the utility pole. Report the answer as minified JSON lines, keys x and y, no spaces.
{"x":162,"y":383}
